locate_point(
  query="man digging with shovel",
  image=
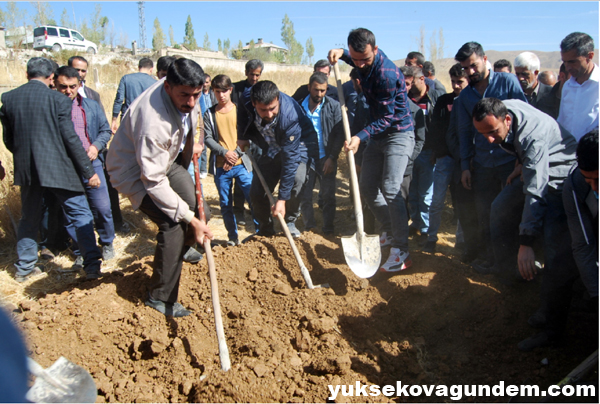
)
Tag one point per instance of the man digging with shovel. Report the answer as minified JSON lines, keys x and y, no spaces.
{"x":148,"y":162}
{"x":390,"y":141}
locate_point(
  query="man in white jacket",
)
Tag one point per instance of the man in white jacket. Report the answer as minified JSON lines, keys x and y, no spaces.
{"x":148,"y":162}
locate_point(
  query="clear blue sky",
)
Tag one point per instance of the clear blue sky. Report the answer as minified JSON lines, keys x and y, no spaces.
{"x":497,"y":26}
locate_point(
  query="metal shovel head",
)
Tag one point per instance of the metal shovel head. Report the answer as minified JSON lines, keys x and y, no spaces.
{"x":363,"y":254}
{"x":77,"y":385}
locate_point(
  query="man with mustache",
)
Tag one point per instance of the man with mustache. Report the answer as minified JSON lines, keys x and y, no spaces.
{"x":148,"y":162}
{"x":527,"y":69}
{"x":485,"y":167}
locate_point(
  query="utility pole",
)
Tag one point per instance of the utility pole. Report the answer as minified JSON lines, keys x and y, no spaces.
{"x":142,"y":44}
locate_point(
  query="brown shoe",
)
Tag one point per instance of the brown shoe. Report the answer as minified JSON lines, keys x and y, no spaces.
{"x":46,"y":254}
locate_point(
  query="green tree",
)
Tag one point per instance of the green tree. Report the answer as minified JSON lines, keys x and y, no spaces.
{"x":43,"y":14}
{"x":288,"y":36}
{"x":219,"y":45}
{"x":226,"y":46}
{"x":172,"y":36}
{"x":310,"y":49}
{"x":238,"y":52}
{"x":158,"y":38}
{"x":96,"y":31}
{"x":189,"y":40}
{"x":206,"y":44}
{"x":65,"y":20}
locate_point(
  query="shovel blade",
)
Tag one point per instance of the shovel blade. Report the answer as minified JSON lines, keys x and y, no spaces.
{"x":79,"y":387}
{"x":363,"y":254}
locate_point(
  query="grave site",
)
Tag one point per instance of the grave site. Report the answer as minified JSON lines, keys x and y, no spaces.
{"x":436,"y":323}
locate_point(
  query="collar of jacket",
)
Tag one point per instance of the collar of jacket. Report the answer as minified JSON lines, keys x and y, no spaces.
{"x":176,"y":119}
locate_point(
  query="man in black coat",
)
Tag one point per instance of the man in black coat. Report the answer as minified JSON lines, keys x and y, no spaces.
{"x":48,"y":155}
{"x":322,"y":66}
{"x":80,"y":64}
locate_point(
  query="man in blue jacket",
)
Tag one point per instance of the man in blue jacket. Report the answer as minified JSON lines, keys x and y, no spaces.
{"x":287,"y":138}
{"x":94,"y":132}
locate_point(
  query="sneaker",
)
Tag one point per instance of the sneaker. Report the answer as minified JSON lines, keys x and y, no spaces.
{"x":293,"y":230}
{"x":240,"y":219}
{"x":22,"y":278}
{"x":46,"y":254}
{"x":397,"y":261}
{"x":430,"y":247}
{"x":168,"y":309}
{"x":91,"y":276}
{"x":385,"y":240}
{"x":108,"y":252}
{"x":203,"y":175}
{"x":78,"y":264}
{"x":192,"y":256}
{"x":233,"y":243}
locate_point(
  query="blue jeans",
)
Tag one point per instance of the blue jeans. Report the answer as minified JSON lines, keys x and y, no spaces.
{"x":99,"y":202}
{"x":383,"y":165}
{"x":421,"y":191}
{"x":326,"y":194}
{"x":224,"y":182}
{"x":77,"y":210}
{"x":442,"y":176}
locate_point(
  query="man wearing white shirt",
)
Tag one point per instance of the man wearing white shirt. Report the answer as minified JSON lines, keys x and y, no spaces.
{"x":579,"y":101}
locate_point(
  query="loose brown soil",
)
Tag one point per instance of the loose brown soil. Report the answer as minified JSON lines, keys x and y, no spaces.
{"x":437,"y":322}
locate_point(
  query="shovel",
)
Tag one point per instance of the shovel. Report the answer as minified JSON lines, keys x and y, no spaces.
{"x":303,"y":268}
{"x":214,"y":287}
{"x":63,"y":382}
{"x":362,"y":251}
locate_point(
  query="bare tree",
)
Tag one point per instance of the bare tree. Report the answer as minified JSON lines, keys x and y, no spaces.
{"x":123,"y":39}
{"x":112,"y":34}
{"x":433,"y":48}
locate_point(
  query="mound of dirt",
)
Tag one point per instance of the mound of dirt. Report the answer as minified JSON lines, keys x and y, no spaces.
{"x":435,"y":323}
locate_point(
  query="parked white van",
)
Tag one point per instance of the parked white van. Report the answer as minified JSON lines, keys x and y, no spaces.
{"x":58,"y":38}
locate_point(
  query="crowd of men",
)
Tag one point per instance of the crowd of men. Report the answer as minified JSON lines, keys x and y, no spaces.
{"x":518,"y":152}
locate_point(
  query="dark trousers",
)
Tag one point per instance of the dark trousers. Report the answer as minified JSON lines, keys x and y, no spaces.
{"x":53,"y":234}
{"x":326,"y":194}
{"x":271,"y":171}
{"x":171,"y":237}
{"x":78,"y":213}
{"x":487,"y":182}
{"x":467,"y":216}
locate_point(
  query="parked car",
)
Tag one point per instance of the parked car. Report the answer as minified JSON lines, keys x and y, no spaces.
{"x":59,"y":38}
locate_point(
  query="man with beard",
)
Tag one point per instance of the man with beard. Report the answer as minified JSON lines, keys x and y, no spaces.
{"x":326,"y":116}
{"x":148,"y":163}
{"x":287,"y":138}
{"x":485,"y":167}
{"x":390,"y":141}
{"x":527,"y":69}
{"x":579,"y":105}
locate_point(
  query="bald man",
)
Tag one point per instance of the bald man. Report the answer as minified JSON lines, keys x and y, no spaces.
{"x":548,"y":78}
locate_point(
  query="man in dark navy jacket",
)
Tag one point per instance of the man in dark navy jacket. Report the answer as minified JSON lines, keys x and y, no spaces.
{"x":278,"y":125}
{"x":94,"y":132}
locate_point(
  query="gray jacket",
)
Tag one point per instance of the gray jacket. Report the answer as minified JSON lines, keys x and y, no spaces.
{"x":547,"y":152}
{"x":581,"y":207}
{"x":211,"y":139}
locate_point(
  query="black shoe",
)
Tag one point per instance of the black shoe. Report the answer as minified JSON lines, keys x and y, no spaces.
{"x":46,"y":254}
{"x":168,"y":309}
{"x":92,"y":276}
{"x":460,"y":246}
{"x":233,"y":243}
{"x":123,"y":229}
{"x":483,"y":267}
{"x":422,"y":239}
{"x":192,"y":256}
{"x":468,"y":255}
{"x":35,"y":271}
{"x":430,"y":247}
{"x":537,"y":341}
{"x":240,"y":219}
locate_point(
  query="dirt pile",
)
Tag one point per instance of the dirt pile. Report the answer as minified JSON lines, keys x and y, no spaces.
{"x":435,"y":323}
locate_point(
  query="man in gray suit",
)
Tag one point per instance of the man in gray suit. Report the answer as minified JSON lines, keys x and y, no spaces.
{"x":48,"y":155}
